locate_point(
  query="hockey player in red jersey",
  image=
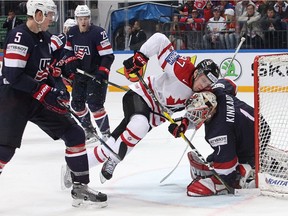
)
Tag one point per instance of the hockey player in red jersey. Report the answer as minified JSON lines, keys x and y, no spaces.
{"x":88,"y":48}
{"x":172,"y":88}
{"x":27,"y":94}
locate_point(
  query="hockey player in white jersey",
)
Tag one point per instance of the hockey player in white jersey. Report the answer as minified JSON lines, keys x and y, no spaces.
{"x":172,"y":88}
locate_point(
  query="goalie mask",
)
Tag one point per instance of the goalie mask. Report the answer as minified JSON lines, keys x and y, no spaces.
{"x":200,"y":107}
{"x":210,"y":69}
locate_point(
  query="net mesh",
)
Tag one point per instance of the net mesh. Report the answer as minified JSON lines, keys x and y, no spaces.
{"x":272,"y":96}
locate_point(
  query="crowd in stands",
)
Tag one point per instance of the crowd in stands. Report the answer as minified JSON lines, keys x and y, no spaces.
{"x":221,"y":24}
{"x":208,"y":24}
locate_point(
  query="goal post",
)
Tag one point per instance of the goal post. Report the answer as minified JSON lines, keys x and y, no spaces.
{"x":271,"y":139}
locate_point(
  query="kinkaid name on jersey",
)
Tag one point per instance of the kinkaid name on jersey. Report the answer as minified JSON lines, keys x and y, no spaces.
{"x":230,"y":112}
{"x":16,"y":49}
{"x":219,"y":140}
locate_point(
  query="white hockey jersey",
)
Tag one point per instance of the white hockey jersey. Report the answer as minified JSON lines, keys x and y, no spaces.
{"x":173,"y":87}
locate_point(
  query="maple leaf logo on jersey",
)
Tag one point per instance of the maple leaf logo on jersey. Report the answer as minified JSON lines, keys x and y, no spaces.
{"x":171,"y":101}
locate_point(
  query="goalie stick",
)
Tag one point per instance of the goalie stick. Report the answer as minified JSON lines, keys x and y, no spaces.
{"x":93,"y":130}
{"x":165,"y":177}
{"x":167,"y":115}
{"x":108,"y":82}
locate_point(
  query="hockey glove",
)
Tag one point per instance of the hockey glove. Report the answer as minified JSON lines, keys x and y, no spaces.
{"x":71,"y":65}
{"x":102,"y":75}
{"x":176,"y":129}
{"x":52,"y":98}
{"x":134,"y":63}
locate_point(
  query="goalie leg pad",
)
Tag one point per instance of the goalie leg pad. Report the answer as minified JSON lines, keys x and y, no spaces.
{"x":197,"y":167}
{"x":206,"y":187}
{"x":247,"y":176}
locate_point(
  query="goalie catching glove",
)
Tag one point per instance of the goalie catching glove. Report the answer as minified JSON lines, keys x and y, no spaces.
{"x":52,"y":98}
{"x":134,"y":64}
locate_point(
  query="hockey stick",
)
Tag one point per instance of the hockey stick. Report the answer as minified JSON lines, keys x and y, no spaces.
{"x":166,"y":114}
{"x":93,"y":130}
{"x":235,"y":53}
{"x":93,"y":77}
{"x":165,"y":177}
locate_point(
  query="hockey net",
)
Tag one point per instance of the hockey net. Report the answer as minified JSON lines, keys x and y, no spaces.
{"x":271,"y":142}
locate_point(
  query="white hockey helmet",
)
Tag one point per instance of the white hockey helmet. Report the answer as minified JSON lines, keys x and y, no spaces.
{"x":45,"y":6}
{"x":200,"y":107}
{"x":70,"y":23}
{"x":82,"y":11}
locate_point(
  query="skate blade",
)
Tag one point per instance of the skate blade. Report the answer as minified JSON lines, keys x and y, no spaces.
{"x":102,"y":178}
{"x":64,"y":186}
{"x":91,"y":141}
{"x":80,"y":203}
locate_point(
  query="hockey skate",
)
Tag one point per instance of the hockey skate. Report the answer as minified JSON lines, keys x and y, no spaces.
{"x":107,"y":169}
{"x":66,"y":179}
{"x":84,"y":196}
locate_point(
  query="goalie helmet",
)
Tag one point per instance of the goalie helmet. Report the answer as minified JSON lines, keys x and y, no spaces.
{"x":45,"y":6}
{"x":82,"y":11}
{"x":200,"y":107}
{"x":210,"y":69}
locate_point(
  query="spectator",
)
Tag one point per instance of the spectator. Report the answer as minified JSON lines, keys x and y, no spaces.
{"x":251,"y":29}
{"x":121,"y":37}
{"x":281,"y":8}
{"x":230,"y":35}
{"x":137,"y":37}
{"x":208,"y":11}
{"x":12,"y":21}
{"x":271,"y":24}
{"x":240,"y":8}
{"x":194,"y":28}
{"x":158,"y":27}
{"x":214,"y":36}
{"x":263,"y":6}
{"x":176,"y":35}
{"x":224,"y":4}
{"x":186,"y":9}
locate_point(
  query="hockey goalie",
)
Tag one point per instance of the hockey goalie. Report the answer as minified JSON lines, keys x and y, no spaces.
{"x":229,"y":129}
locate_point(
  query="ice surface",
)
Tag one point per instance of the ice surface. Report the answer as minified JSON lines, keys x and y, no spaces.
{"x":30,"y":183}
